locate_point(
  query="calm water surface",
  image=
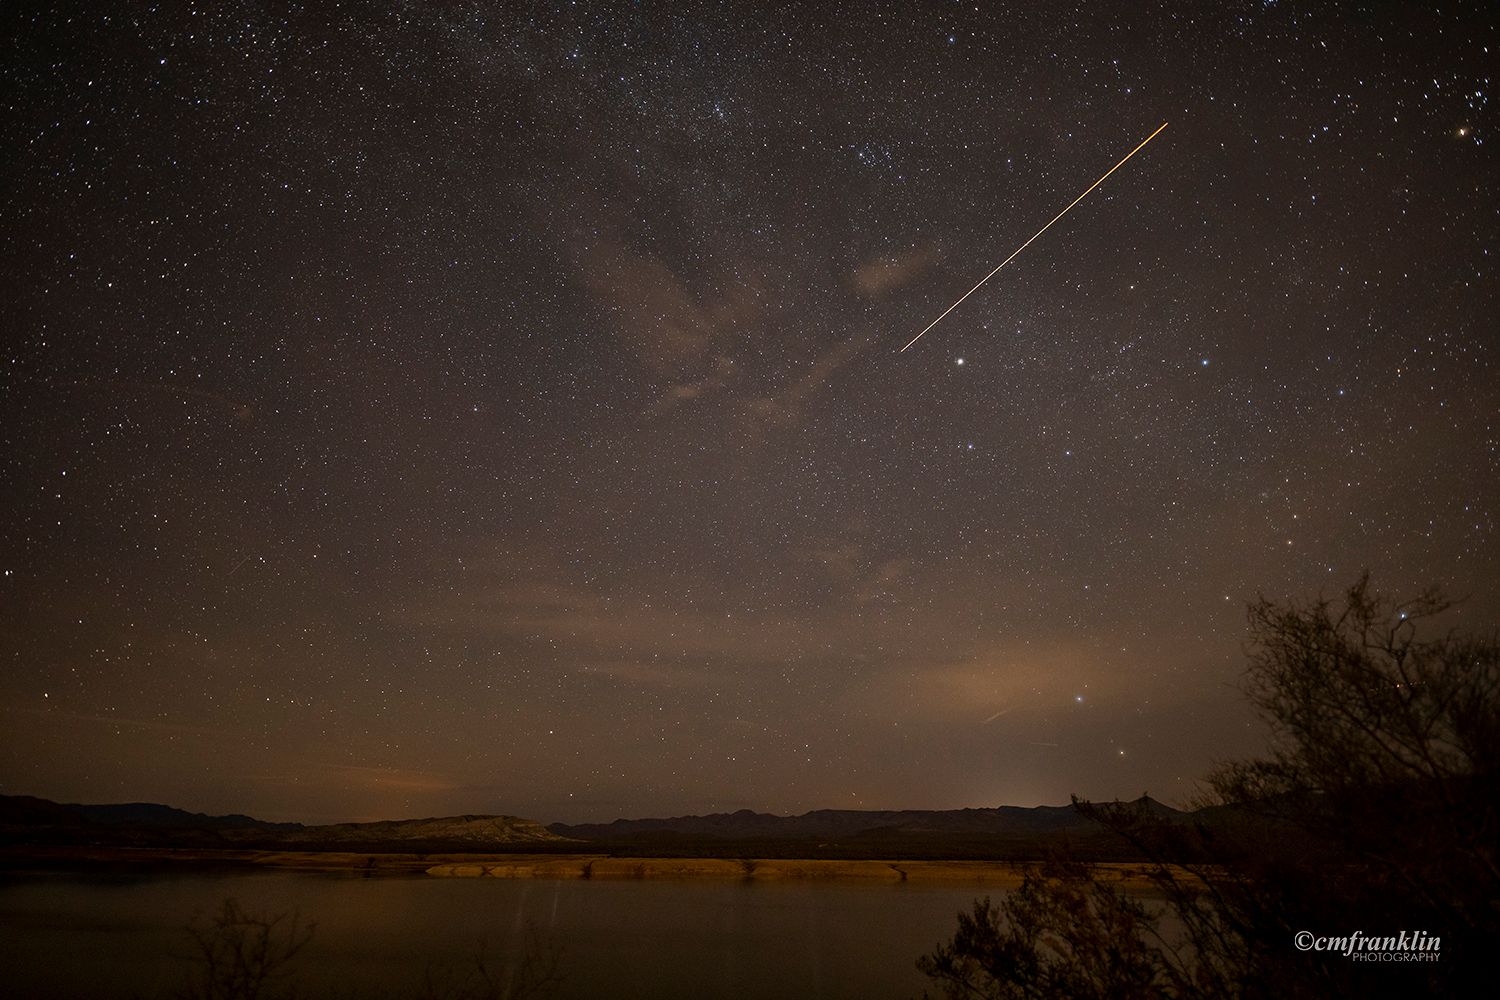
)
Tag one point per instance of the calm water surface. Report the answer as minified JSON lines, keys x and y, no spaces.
{"x":67,"y":935}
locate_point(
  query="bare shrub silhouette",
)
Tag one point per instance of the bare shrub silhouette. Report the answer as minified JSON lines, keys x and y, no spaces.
{"x":239,"y":955}
{"x":1376,"y":809}
{"x":1063,"y":933}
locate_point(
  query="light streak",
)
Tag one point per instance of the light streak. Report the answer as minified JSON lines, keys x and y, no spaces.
{"x":1039,"y":232}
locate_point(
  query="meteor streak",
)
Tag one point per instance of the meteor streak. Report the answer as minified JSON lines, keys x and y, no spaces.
{"x":1039,"y":232}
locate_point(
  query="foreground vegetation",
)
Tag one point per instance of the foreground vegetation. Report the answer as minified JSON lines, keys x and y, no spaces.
{"x":1376,"y":811}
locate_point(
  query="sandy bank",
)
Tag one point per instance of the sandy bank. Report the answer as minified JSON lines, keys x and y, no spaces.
{"x":992,"y":873}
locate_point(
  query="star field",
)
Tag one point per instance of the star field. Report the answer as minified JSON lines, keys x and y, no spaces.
{"x":471,"y":408}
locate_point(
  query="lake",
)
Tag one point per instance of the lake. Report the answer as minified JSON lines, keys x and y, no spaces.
{"x":98,"y":936}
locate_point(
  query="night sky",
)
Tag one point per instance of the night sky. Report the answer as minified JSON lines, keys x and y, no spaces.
{"x":460,"y":408}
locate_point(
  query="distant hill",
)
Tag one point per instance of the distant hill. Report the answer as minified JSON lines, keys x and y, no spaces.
{"x":1001,"y":831}
{"x":747,"y":825}
{"x":470,"y":833}
{"x":150,"y":814}
{"x":25,"y":819}
{"x":28,"y":811}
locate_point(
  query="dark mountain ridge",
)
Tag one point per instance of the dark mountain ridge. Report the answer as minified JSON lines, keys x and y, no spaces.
{"x":746,"y":824}
{"x":28,"y":810}
{"x":25,"y":819}
{"x":1000,"y":832}
{"x":151,"y":814}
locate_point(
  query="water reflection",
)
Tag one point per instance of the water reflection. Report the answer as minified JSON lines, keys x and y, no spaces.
{"x":122,"y":936}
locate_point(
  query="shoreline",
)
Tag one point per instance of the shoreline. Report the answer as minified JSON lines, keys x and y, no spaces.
{"x":582,"y":866}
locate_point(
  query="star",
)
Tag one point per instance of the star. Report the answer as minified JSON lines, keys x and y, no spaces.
{"x":650,"y":257}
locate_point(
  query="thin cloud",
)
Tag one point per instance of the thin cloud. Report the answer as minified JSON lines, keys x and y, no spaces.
{"x":390,"y":778}
{"x":645,"y":674}
{"x":784,"y":408}
{"x":881,"y":275}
